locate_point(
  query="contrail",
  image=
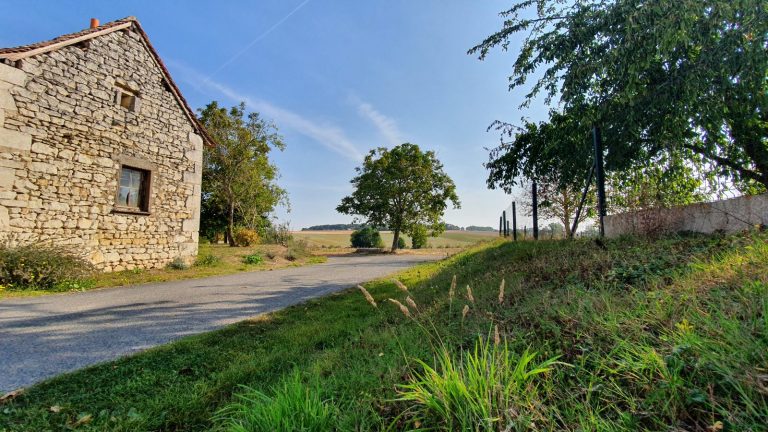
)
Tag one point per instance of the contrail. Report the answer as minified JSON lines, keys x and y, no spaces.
{"x":258,"y":38}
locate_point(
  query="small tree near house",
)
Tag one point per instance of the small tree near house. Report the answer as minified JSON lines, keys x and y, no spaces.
{"x":402,"y":188}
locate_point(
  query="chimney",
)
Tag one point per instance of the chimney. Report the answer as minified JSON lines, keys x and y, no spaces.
{"x":94,"y":22}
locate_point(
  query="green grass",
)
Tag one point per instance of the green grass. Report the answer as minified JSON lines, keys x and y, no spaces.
{"x":212,"y":260}
{"x":648,"y":335}
{"x":452,"y":239}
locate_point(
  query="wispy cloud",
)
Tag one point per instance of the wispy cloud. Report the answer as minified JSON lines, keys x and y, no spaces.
{"x":386,"y":126}
{"x":257,"y":39}
{"x":330,"y":136}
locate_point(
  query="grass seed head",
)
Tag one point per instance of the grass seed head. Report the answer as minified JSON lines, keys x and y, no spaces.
{"x":402,"y":307}
{"x":411,"y":303}
{"x":470,"y":297}
{"x":464,"y":311}
{"x":501,"y":292}
{"x":452,"y":291}
{"x":400,"y":285}
{"x":367,"y":295}
{"x":496,"y":336}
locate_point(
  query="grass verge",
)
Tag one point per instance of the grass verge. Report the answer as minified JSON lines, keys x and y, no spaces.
{"x":212,"y":260}
{"x":647,"y":335}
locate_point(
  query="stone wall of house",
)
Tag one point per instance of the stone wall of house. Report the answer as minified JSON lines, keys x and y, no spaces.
{"x":62,"y":136}
{"x":730,"y":215}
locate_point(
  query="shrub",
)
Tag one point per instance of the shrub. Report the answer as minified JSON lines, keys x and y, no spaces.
{"x":366,"y":237}
{"x":245,"y":236}
{"x":275,"y":234}
{"x":254,"y":258}
{"x":270,"y":254}
{"x":178,"y":264}
{"x":297,"y":249}
{"x":293,"y":406}
{"x":419,"y":237}
{"x":42,"y":267}
{"x":400,"y":243}
{"x":207,"y":260}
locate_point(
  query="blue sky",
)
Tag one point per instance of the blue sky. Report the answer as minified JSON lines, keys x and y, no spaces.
{"x":337,"y":77}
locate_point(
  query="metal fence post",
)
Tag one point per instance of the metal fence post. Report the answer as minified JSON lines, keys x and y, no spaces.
{"x":501,"y":221}
{"x":514,"y":222}
{"x":535,"y":212}
{"x":600,"y":177}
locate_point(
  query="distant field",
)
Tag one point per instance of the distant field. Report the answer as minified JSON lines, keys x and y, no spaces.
{"x":449,"y":239}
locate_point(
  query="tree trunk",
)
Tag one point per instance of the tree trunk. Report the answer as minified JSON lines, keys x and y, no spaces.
{"x":395,"y":239}
{"x":231,"y":224}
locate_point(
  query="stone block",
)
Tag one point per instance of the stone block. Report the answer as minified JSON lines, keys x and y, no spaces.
{"x":6,"y":100}
{"x":12,"y":75}
{"x":7,"y":178}
{"x":5,"y":222}
{"x":15,"y":140}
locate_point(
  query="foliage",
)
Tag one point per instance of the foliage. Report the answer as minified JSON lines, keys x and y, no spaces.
{"x":685,"y":77}
{"x":207,"y":260}
{"x":401,"y":243}
{"x":665,"y":181}
{"x":419,"y":237}
{"x":479,"y":228}
{"x":242,"y":236}
{"x":484,"y":389}
{"x":557,"y":201}
{"x":297,"y":249}
{"x":275,"y":233}
{"x":254,"y":258}
{"x":366,"y":237}
{"x":178,"y":263}
{"x":42,"y":267}
{"x":238,"y":178}
{"x":333,"y":227}
{"x":292,"y":406}
{"x":401,"y":188}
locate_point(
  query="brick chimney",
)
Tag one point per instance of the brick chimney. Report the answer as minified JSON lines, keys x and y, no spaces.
{"x":94,"y":22}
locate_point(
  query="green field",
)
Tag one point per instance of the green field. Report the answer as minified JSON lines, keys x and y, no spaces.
{"x":448,"y":239}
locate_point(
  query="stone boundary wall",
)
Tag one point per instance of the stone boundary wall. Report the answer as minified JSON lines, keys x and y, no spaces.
{"x":730,"y":215}
{"x":63,"y":137}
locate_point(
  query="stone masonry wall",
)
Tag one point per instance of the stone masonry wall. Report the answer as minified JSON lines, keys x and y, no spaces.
{"x":62,"y":135}
{"x":731,"y":215}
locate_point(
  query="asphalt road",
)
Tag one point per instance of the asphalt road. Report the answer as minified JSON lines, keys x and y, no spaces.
{"x":44,"y":336}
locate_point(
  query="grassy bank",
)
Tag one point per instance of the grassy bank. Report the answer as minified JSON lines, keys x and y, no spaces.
{"x":212,"y":260}
{"x":636,"y":335}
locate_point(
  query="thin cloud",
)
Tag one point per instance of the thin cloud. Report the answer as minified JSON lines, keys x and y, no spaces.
{"x":386,"y":126}
{"x":330,"y":136}
{"x":257,"y":39}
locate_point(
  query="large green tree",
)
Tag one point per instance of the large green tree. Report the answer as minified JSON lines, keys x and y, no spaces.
{"x":402,"y":189}
{"x":239,"y":181}
{"x":657,"y":76}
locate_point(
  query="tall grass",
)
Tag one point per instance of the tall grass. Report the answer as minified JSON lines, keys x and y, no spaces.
{"x":486,"y":389}
{"x":291,"y":406}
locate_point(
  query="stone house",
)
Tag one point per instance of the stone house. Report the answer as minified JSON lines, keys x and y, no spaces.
{"x":99,"y":151}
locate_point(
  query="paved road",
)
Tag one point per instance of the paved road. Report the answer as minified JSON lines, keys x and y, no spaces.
{"x":45,"y":336}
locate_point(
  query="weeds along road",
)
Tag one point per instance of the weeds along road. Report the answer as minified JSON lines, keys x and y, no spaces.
{"x":44,"y":336}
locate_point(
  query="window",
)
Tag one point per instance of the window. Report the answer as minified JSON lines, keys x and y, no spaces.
{"x":127,"y":98}
{"x":133,"y":189}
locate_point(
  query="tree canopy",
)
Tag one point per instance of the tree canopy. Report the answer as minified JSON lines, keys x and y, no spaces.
{"x":685,"y":76}
{"x":238,"y":178}
{"x":402,"y":189}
